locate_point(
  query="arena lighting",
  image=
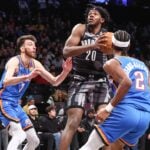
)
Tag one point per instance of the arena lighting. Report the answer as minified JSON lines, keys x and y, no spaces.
{"x":124,"y":2}
{"x":117,"y":2}
{"x":102,"y":1}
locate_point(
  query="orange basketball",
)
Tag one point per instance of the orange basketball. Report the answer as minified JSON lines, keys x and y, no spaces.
{"x":106,"y":43}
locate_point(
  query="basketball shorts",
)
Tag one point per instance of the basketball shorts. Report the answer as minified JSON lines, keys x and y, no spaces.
{"x":125,"y":123}
{"x":90,"y":91}
{"x":13,"y":112}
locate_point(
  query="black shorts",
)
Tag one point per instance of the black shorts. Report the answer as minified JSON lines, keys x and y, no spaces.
{"x":83,"y":91}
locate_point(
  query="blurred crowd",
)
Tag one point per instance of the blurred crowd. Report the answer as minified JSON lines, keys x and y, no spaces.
{"x":51,"y":22}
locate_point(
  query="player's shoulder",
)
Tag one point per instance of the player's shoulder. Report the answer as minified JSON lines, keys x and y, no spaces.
{"x":79,"y":27}
{"x":13,"y":61}
{"x":111,"y":63}
{"x":36,"y":63}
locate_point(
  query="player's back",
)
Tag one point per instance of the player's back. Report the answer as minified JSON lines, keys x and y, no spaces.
{"x":14,"y":93}
{"x":139,"y":92}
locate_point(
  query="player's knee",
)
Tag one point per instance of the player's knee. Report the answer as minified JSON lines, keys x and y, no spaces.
{"x":32,"y":138}
{"x":35,"y":141}
{"x":73,"y":124}
{"x":22,"y":136}
{"x":17,"y":132}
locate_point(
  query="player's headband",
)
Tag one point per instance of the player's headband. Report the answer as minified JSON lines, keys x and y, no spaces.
{"x":120,"y":43}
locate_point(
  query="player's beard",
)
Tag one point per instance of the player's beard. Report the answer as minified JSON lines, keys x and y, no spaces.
{"x":30,"y":54}
{"x":91,"y":26}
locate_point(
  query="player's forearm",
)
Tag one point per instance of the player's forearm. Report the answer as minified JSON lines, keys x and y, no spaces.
{"x":55,"y":81}
{"x":60,"y":78}
{"x":70,"y":51}
{"x":14,"y":80}
{"x":121,"y":91}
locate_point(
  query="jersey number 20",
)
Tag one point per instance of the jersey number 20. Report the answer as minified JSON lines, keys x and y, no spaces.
{"x":91,"y":55}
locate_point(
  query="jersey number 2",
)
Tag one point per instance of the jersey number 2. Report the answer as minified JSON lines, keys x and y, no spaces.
{"x":139,"y":80}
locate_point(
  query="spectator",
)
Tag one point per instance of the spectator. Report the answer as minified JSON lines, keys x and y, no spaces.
{"x":30,"y":101}
{"x":45,"y":137}
{"x":51,"y":124}
{"x":86,"y":126}
{"x":3,"y":137}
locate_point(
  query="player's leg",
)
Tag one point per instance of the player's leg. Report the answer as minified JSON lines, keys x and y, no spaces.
{"x":104,"y":99}
{"x":31,"y":136}
{"x":94,"y":142}
{"x":32,"y":140}
{"x":101,"y":99}
{"x":105,"y":147}
{"x":74,"y":113}
{"x":118,"y":145}
{"x":18,"y":135}
{"x":73,"y":121}
{"x":9,"y":118}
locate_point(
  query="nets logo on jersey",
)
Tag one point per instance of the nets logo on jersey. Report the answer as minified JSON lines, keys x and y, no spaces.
{"x":89,"y":39}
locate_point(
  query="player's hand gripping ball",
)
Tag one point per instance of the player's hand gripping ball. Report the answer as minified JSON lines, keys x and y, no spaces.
{"x":105,"y":43}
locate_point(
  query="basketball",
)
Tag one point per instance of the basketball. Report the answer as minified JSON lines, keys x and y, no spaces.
{"x":106,"y":43}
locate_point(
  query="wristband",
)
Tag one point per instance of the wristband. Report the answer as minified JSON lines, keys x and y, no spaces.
{"x":109,"y":108}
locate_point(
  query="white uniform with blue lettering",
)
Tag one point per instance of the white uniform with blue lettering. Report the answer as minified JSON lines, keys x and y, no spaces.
{"x":131,"y":117}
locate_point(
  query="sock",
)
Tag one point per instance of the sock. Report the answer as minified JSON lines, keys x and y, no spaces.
{"x":94,"y":142}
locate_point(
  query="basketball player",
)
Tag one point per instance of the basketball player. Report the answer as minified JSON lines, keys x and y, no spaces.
{"x":19,"y":70}
{"x":89,"y":82}
{"x":127,"y":116}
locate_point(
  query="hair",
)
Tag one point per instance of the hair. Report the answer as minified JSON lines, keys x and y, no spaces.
{"x":102,"y":11}
{"x":21,"y":40}
{"x":91,"y":110}
{"x":49,"y":108}
{"x":122,"y":36}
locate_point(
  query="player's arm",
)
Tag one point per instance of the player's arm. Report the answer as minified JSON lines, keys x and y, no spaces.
{"x":55,"y":81}
{"x":113,"y":68}
{"x":72,"y":47}
{"x":9,"y":78}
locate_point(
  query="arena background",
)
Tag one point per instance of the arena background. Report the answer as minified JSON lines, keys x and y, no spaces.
{"x":51,"y":22}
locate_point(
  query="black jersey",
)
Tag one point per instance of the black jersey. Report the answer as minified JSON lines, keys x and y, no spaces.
{"x":90,"y":62}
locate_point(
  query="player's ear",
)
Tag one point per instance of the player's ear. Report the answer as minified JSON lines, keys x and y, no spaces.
{"x":22,"y":49}
{"x":102,"y":20}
